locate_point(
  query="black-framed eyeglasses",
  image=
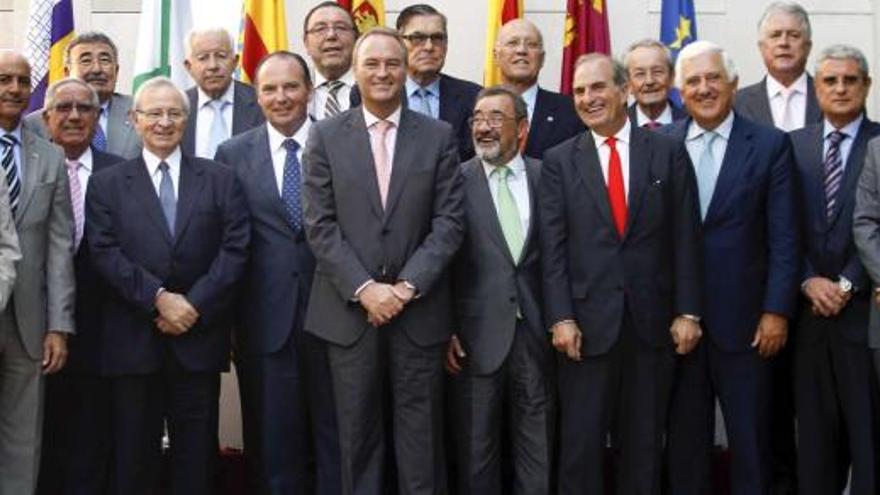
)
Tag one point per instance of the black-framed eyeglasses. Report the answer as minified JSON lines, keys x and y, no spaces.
{"x":419,"y":39}
{"x":323,"y":30}
{"x":495,"y":121}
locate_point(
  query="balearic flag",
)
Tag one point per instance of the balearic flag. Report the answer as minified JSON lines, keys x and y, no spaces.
{"x":500,"y":12}
{"x":263,"y":31}
{"x":164,"y":25}
{"x":678,"y":24}
{"x":586,"y":31}
{"x":367,"y":13}
{"x":49,"y":30}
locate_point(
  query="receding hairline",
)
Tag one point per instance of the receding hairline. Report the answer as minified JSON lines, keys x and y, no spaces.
{"x":374,"y":32}
{"x":207,"y":31}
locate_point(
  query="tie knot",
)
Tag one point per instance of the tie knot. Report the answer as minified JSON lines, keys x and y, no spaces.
{"x":8,"y":140}
{"x":73,"y":165}
{"x":290,"y":145}
{"x":423,"y":92}
{"x":163,"y":166}
{"x":651,"y":124}
{"x":611,"y":142}
{"x":218,"y":105}
{"x":836,"y":137}
{"x":382,"y":127}
{"x":334,"y":86}
{"x":502,"y":173}
{"x":709,"y":137}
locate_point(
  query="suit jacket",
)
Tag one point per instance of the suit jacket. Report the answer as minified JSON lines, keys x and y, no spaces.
{"x":594,"y":276}
{"x":202,"y":260}
{"x":278,"y":277}
{"x":553,"y":121}
{"x":752,"y":103}
{"x":678,"y":113}
{"x":354,"y":240}
{"x":86,"y":352}
{"x":866,"y":229}
{"x":489,"y":286}
{"x":10,"y":253}
{"x":122,"y":138}
{"x":751,"y":234}
{"x":457,"y":99}
{"x":246,"y":114}
{"x":829,"y":250}
{"x":43,"y":296}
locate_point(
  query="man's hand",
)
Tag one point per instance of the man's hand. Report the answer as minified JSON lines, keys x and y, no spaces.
{"x":825,"y":296}
{"x":177,"y":312}
{"x":404,"y":293}
{"x":686,"y":334}
{"x":771,"y":334}
{"x":381,"y":303}
{"x":454,"y":353}
{"x":877,"y":296}
{"x":167,"y":328}
{"x":54,"y":351}
{"x":567,"y":339}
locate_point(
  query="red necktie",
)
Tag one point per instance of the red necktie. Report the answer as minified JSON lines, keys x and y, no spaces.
{"x":616,"y":191}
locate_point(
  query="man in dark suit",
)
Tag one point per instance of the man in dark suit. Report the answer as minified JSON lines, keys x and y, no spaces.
{"x":428,"y":91}
{"x":751,"y":251}
{"x":329,"y":32}
{"x":649,"y":67}
{"x":835,"y":390}
{"x":519,"y":52}
{"x":93,"y":57}
{"x":221,"y":107}
{"x":168,"y":233}
{"x":786,"y":97}
{"x":76,"y":450}
{"x":282,"y":370}
{"x":500,"y":354}
{"x":383,"y":232}
{"x":620,"y":243}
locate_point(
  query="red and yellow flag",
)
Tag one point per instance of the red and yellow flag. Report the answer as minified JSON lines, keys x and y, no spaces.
{"x":263,"y":31}
{"x":500,"y":12}
{"x":367,"y":13}
{"x":586,"y":31}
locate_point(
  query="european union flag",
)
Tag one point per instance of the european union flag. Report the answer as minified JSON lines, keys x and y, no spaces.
{"x":678,"y":24}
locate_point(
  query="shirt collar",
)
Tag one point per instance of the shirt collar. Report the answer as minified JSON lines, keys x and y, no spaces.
{"x":516,"y":165}
{"x":371,"y":119}
{"x":412,"y":87}
{"x":850,"y":129}
{"x":775,"y":87}
{"x":723,"y":129}
{"x":665,"y":116}
{"x":85,"y":160}
{"x":228,"y":96}
{"x":530,"y":95}
{"x":621,"y":136}
{"x":16,"y":133}
{"x":153,"y":161}
{"x":276,"y":139}
{"x":347,"y":78}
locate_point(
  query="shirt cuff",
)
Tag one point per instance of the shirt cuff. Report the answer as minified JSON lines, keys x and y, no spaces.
{"x":357,"y":292}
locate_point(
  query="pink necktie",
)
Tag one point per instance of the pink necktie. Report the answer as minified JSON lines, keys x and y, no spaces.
{"x":76,"y":200}
{"x":378,"y":133}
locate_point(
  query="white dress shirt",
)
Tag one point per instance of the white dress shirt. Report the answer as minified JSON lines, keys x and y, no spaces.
{"x":173,"y":162}
{"x":518,"y":183}
{"x":622,"y":145}
{"x":279,"y":152}
{"x":390,"y":136}
{"x":205,"y":118}
{"x":664,"y":118}
{"x":695,"y":143}
{"x":797,"y":103}
{"x":85,"y":169}
{"x":414,"y":100}
{"x":343,"y":96}
{"x":530,"y":96}
{"x":851,"y":130}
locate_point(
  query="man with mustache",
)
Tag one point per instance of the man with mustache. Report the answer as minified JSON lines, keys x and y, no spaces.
{"x":429,"y":91}
{"x":35,"y":325}
{"x":519,"y":52}
{"x":500,"y":353}
{"x":329,"y":35}
{"x":650,"y":70}
{"x":93,"y":58}
{"x":221,"y":107}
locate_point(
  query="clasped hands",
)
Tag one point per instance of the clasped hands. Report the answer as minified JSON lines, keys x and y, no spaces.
{"x":176,"y":314}
{"x":826,"y":297}
{"x":384,"y":302}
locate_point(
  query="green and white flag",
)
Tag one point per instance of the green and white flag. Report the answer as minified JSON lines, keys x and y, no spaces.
{"x":164,"y":25}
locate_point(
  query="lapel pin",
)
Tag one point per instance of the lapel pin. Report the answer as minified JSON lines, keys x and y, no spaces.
{"x":549,"y":118}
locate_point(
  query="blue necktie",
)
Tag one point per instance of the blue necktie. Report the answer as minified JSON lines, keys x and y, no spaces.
{"x":99,"y":139}
{"x":166,"y":197}
{"x":219,"y":131}
{"x":7,"y":159}
{"x":833,"y":171}
{"x":707,"y":172}
{"x":291,"y":185}
{"x":425,"y":106}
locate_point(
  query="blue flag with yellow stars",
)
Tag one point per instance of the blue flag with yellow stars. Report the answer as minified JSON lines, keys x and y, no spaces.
{"x":678,"y":24}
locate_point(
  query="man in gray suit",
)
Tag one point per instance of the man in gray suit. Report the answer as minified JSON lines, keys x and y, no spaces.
{"x":93,"y":57}
{"x":501,"y":353}
{"x":34,"y":327}
{"x":383,"y":216}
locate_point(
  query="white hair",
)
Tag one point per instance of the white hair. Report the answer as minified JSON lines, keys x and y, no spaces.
{"x":790,"y":8}
{"x":201,"y":31}
{"x":156,"y":83}
{"x":702,"y":47}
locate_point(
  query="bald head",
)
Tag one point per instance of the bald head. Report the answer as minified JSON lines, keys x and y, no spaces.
{"x":519,"y":52}
{"x":15,"y":88}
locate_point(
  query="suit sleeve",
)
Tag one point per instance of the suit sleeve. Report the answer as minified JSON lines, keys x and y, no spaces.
{"x":866,"y":217}
{"x":553,"y":226}
{"x":430,"y":260}
{"x":783,"y":235}
{"x":687,"y":235}
{"x":10,"y":252}
{"x":60,"y":278}
{"x":332,"y":251}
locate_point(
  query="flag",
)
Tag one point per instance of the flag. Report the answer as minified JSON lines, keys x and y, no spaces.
{"x":163,"y":27}
{"x":49,"y":30}
{"x":367,"y":13}
{"x":500,"y":12}
{"x":678,"y":24}
{"x":263,"y":31}
{"x":586,"y":31}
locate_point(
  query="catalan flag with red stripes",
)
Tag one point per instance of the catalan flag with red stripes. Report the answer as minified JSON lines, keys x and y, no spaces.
{"x":263,"y":31}
{"x":500,"y":13}
{"x":586,"y":31}
{"x":367,"y":13}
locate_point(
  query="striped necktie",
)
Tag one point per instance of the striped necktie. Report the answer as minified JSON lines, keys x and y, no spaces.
{"x":76,"y":201}
{"x":833,"y":166}
{"x":7,"y":160}
{"x":331,"y":106}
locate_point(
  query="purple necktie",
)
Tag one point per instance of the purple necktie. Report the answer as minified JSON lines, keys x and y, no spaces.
{"x":76,"y":200}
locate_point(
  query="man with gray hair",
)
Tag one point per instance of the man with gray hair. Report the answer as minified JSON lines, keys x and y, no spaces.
{"x":93,"y":57}
{"x":650,"y":70}
{"x":751,"y":268}
{"x":786,"y":97}
{"x":221,"y":107}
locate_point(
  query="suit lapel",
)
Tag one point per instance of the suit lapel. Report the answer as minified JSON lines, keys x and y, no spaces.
{"x":532,"y":171}
{"x":188,"y":144}
{"x":31,"y":170}
{"x":244,"y":108}
{"x":852,"y":170}
{"x":814,"y":114}
{"x":737,"y":158}
{"x":639,"y":166}
{"x":815,"y":175}
{"x":189,"y":189}
{"x":361,"y":153}
{"x":760,"y":104}
{"x":405,"y":150}
{"x":586,"y":161}
{"x":263,"y":171}
{"x":140,"y":187}
{"x":485,"y":207}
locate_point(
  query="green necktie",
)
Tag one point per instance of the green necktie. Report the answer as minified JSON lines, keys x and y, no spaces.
{"x":508,"y":213}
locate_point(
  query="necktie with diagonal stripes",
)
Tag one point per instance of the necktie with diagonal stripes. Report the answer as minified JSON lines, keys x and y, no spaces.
{"x":833,"y":171}
{"x":331,"y":106}
{"x":7,"y":160}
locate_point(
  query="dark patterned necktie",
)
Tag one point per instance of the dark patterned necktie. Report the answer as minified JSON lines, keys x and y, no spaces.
{"x":7,"y":160}
{"x":833,"y":171}
{"x":99,"y":139}
{"x":331,"y":106}
{"x":291,"y":185}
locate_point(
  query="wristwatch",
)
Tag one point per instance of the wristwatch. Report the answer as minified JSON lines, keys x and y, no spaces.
{"x":845,"y":285}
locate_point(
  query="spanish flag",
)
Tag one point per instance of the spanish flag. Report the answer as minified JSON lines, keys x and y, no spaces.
{"x":586,"y":31}
{"x":49,"y":30}
{"x":500,"y":12}
{"x":263,"y":31}
{"x":367,"y":13}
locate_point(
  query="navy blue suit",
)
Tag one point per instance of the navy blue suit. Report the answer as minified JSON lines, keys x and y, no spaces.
{"x":553,"y":121}
{"x":752,"y":266}
{"x":835,"y":389}
{"x":246,"y":114}
{"x":457,"y":100}
{"x":156,"y":376}
{"x":678,"y":113}
{"x":283,"y":371}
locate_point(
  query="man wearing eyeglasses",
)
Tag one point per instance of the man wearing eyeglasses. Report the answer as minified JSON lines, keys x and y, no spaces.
{"x":329,"y":38}
{"x":169,"y":233}
{"x":93,"y":58}
{"x":428,"y":91}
